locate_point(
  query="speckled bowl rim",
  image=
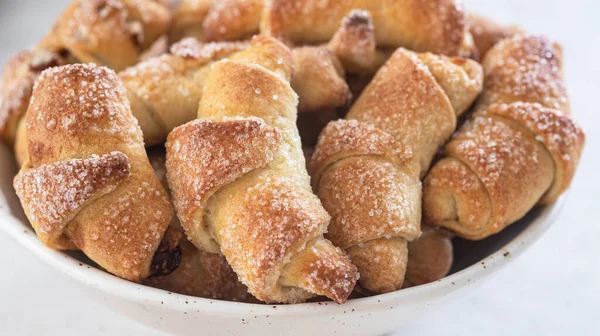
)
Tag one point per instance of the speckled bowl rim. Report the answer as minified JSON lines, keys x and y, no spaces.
{"x":112,"y":285}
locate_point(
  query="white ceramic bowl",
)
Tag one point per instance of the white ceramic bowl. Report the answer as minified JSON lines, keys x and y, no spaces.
{"x":185,"y":315}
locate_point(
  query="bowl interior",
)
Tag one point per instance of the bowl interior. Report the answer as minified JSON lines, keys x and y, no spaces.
{"x":473,"y":259}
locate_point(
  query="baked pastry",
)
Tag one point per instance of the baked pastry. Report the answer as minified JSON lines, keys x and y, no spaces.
{"x":108,"y":32}
{"x":486,"y":33}
{"x":319,"y":73}
{"x":438,"y":26}
{"x":88,"y":184}
{"x":430,"y":256}
{"x":112,"y":33}
{"x":355,"y":44}
{"x":367,"y":169}
{"x":319,"y":80}
{"x":232,"y":20}
{"x":20,"y":73}
{"x":240,"y":187}
{"x":165,"y":91}
{"x":519,"y":149}
{"x":422,"y":25}
{"x":200,"y":273}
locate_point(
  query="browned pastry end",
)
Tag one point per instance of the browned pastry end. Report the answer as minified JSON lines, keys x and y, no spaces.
{"x":520,"y":148}
{"x":486,"y":33}
{"x":355,"y":44}
{"x":165,"y":91}
{"x":319,"y":80}
{"x":188,"y":19}
{"x":430,"y":256}
{"x":240,"y":186}
{"x":88,"y":183}
{"x":367,"y":170}
{"x":233,"y":20}
{"x":438,"y":26}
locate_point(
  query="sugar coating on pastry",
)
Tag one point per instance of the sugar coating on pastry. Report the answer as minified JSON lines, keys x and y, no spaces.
{"x":191,"y":48}
{"x":80,"y":110}
{"x":527,"y":69}
{"x":56,"y":191}
{"x":205,"y":155}
{"x":92,"y":100}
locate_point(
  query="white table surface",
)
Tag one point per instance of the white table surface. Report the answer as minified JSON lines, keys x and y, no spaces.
{"x":553,"y":289}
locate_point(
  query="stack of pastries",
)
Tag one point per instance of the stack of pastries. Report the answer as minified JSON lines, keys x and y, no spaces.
{"x":286,"y":150}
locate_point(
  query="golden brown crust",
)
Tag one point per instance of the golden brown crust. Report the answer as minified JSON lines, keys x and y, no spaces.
{"x":390,"y":205}
{"x":505,"y":157}
{"x":519,"y":148}
{"x":525,"y":69}
{"x":505,"y":148}
{"x":51,"y":202}
{"x":219,"y":153}
{"x":364,"y":170}
{"x":430,"y":257}
{"x":486,"y":33}
{"x":452,"y":191}
{"x":406,"y":100}
{"x":319,"y":80}
{"x":15,"y":92}
{"x":437,"y":26}
{"x":561,"y":136}
{"x":76,"y":112}
{"x":355,"y":44}
{"x":266,"y":221}
{"x":204,"y":53}
{"x":448,"y":71}
{"x":90,"y":30}
{"x":321,"y":268}
{"x":363,"y":176}
{"x":200,"y":273}
{"x":165,"y":91}
{"x":382,"y":263}
{"x":346,"y":138}
{"x":107,"y":32}
{"x":232,"y":20}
